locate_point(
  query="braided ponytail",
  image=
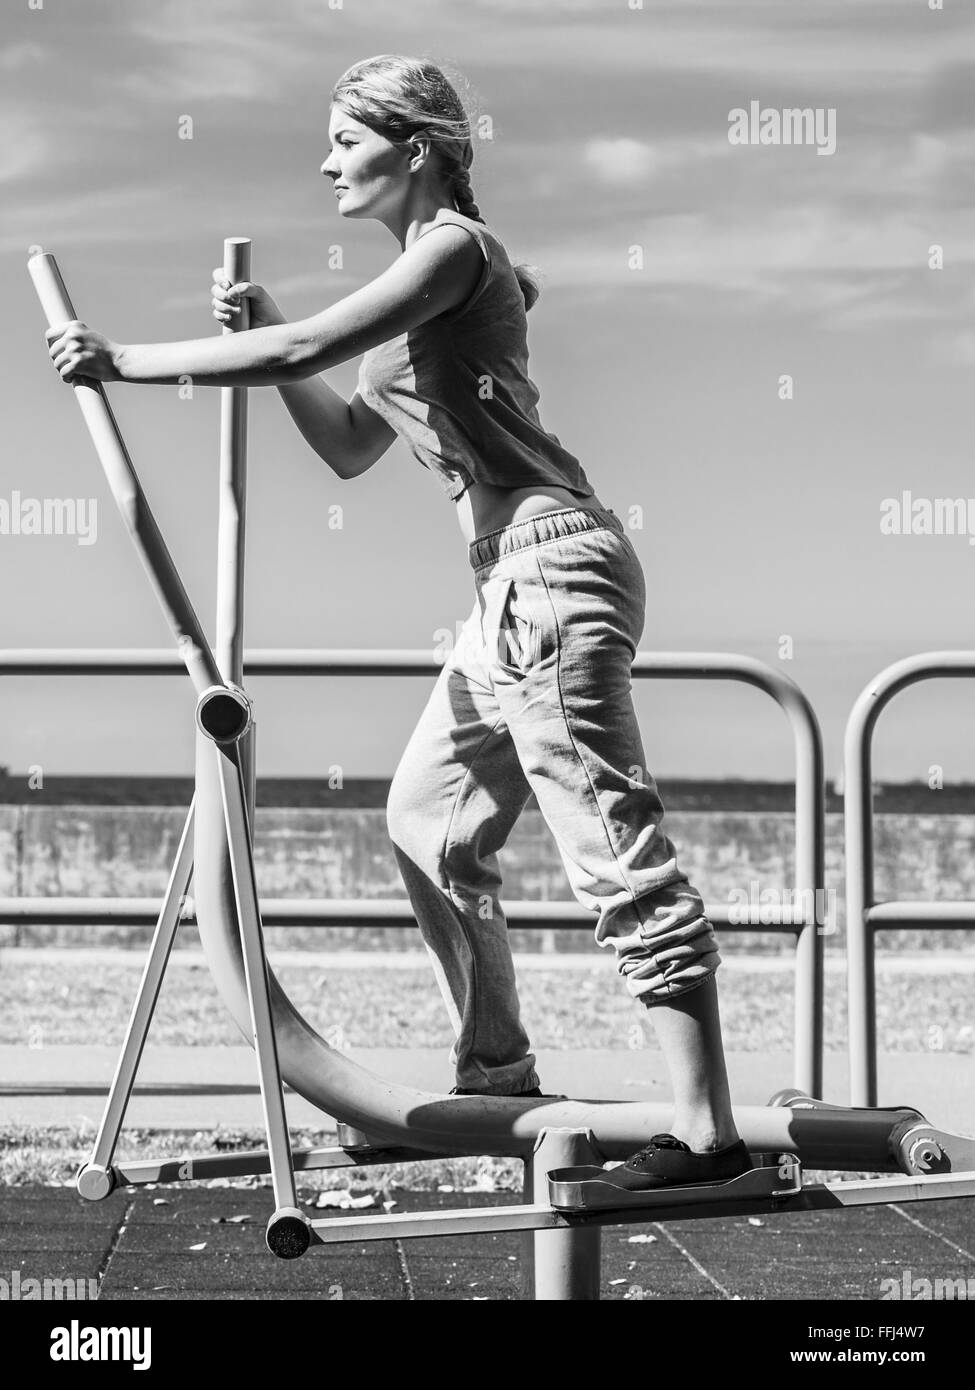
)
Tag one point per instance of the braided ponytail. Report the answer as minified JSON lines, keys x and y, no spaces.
{"x":400,"y":97}
{"x":464,"y":202}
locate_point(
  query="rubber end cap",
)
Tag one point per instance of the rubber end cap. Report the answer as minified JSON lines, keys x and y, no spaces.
{"x":95,"y":1184}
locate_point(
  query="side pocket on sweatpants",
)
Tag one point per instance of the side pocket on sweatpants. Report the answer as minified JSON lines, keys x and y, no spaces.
{"x":509,"y":633}
{"x":520,"y":630}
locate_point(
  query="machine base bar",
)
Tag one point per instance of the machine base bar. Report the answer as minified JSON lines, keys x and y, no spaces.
{"x":815,"y":1197}
{"x":256,"y":1161}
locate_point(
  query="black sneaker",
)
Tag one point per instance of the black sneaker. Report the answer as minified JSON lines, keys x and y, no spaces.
{"x":535,"y":1094}
{"x":669,"y":1162}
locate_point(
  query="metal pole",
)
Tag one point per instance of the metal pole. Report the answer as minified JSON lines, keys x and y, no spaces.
{"x":127,"y":490}
{"x":810,"y":875}
{"x":858,"y":831}
{"x":858,"y":818}
{"x":95,"y":1181}
{"x":229,"y":644}
{"x":567,"y":1263}
{"x":235,"y":764}
{"x":527,"y":1240}
{"x":255,"y":966}
{"x":214,"y":887}
{"x":810,"y":831}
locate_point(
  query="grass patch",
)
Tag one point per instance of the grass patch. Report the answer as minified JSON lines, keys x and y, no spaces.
{"x":66,"y":1000}
{"x":31,"y":1154}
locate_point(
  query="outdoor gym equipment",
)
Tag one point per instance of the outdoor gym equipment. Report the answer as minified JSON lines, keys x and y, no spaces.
{"x":563,"y":1142}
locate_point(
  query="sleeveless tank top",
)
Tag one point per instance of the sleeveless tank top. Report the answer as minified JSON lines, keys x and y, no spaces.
{"x":457,"y":389}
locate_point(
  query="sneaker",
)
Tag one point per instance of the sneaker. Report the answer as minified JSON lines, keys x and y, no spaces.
{"x":535,"y":1094}
{"x":669,"y":1162}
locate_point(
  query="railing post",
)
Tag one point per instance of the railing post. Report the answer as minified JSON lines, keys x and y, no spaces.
{"x":858,"y":832}
{"x":810,"y":854}
{"x":860,"y":887}
{"x":810,"y":872}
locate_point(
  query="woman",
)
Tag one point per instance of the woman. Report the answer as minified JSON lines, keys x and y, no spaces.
{"x":535,"y":696}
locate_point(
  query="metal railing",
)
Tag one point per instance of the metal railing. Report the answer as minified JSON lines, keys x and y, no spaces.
{"x":864,"y":915}
{"x":805,"y":923}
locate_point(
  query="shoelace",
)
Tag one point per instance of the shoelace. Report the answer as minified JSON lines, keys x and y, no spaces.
{"x":658,"y":1141}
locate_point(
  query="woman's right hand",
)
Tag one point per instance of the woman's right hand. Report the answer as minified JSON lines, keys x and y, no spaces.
{"x":226,"y":299}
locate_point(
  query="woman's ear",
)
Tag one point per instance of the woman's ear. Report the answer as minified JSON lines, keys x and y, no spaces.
{"x":419,"y":151}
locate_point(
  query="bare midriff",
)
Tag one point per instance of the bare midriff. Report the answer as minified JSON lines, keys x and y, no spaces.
{"x":484,"y":507}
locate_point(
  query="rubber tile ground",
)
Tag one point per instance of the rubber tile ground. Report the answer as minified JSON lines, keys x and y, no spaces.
{"x":180,"y":1244}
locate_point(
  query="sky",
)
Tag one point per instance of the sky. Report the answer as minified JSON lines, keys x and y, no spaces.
{"x":684,"y":277}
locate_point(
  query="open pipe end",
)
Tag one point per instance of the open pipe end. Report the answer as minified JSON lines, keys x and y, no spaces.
{"x":223,"y":713}
{"x":288,"y":1233}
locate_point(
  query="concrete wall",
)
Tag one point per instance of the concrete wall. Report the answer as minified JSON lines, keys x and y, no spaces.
{"x":81,"y":851}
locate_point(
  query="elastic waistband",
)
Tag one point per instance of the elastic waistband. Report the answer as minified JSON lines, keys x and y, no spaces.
{"x":549,"y":526}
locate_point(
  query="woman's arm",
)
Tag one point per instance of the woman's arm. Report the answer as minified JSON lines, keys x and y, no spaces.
{"x":324,"y":419}
{"x":257,"y":357}
{"x":431,"y":276}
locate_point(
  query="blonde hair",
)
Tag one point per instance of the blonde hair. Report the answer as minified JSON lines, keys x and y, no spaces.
{"x":399,"y":97}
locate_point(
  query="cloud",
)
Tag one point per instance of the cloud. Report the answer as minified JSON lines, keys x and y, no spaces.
{"x":20,"y":55}
{"x":840,"y":268}
{"x":214,"y":53}
{"x":246,"y":49}
{"x":25,"y":145}
{"x":954,"y":349}
{"x":112,"y":215}
{"x":623,"y":160}
{"x":835,"y":237}
{"x":620,"y":160}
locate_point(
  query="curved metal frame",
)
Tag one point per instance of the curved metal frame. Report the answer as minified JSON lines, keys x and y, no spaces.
{"x":865,"y":916}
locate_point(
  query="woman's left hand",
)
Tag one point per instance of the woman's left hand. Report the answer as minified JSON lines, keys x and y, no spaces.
{"x":78,"y":351}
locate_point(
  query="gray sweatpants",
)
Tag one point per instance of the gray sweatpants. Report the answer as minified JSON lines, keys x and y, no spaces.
{"x":536,"y":697}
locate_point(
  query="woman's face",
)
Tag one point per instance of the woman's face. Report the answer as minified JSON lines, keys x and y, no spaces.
{"x":369,"y":173}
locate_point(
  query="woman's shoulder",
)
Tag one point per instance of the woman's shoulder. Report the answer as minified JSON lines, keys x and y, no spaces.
{"x":497,"y":292}
{"x":485,"y":236}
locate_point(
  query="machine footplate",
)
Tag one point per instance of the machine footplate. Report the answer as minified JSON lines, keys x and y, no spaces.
{"x":586,"y":1188}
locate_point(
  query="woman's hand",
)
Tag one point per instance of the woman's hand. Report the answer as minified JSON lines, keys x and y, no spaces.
{"x":78,"y":351}
{"x":226,"y":298}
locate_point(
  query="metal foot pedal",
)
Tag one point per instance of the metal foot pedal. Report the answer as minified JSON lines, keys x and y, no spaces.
{"x":585,"y":1189}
